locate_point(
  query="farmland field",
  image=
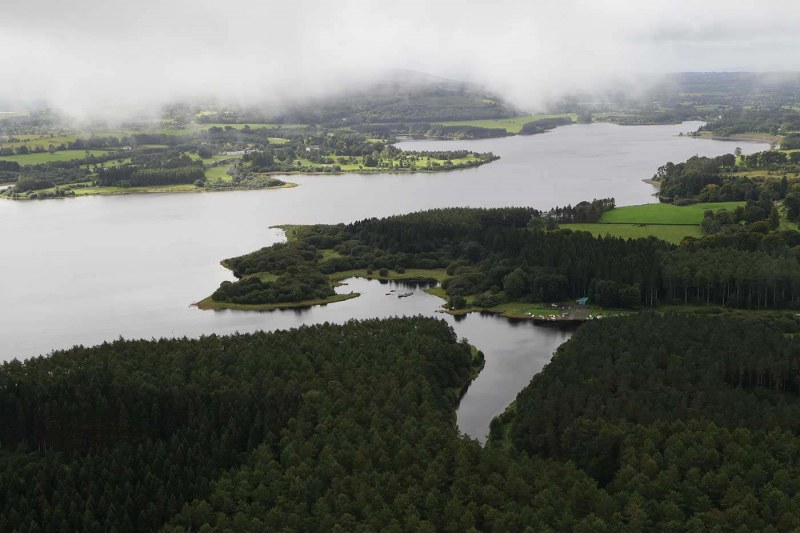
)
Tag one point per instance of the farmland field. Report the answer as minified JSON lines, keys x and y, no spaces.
{"x":47,"y":157}
{"x":511,"y":125}
{"x":664,"y":213}
{"x":664,"y":221}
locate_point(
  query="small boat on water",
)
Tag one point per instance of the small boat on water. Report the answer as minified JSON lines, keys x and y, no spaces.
{"x":405,"y":295}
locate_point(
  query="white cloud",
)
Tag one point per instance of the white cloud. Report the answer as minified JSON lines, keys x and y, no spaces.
{"x":87,"y":54}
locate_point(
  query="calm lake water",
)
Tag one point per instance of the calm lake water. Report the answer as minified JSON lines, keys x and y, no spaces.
{"x":85,"y":270}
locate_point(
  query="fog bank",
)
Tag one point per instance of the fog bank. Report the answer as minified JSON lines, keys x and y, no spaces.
{"x":89,"y":55}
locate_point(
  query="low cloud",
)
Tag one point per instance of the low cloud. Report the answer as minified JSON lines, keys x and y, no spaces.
{"x":86,"y":56}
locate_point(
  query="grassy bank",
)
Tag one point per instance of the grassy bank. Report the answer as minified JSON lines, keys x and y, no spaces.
{"x":292,"y":232}
{"x":525,"y":310}
{"x":419,"y":275}
{"x":209,"y":303}
{"x":672,"y":233}
{"x":744,"y":137}
{"x":154,"y":189}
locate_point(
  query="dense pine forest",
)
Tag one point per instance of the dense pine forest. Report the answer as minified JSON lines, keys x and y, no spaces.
{"x":123,"y":435}
{"x":640,"y":423}
{"x":519,"y":254}
{"x":689,"y":423}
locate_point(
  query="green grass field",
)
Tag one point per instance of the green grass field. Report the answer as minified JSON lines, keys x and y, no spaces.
{"x":266,"y":277}
{"x":116,"y":162}
{"x":91,"y":191}
{"x":663,"y":221}
{"x":175,"y":131}
{"x":218,"y":173}
{"x":673,"y":233}
{"x":327,"y":253}
{"x":112,"y":190}
{"x":511,"y":125}
{"x":664,"y":213}
{"x":37,"y":140}
{"x":47,"y":157}
{"x":220,"y":157}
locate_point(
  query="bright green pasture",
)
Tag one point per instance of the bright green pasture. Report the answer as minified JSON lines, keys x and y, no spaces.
{"x":218,"y":173}
{"x":32,"y":141}
{"x":664,"y":213}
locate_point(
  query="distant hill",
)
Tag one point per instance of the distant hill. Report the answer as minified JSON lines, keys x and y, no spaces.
{"x":398,"y":96}
{"x":732,"y":88}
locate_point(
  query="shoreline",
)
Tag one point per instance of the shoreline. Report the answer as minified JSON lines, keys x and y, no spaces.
{"x":411,"y":278}
{"x":208,"y":303}
{"x":286,"y":185}
{"x":381,"y":170}
{"x":506,"y":310}
{"x":744,"y":137}
{"x":146,"y":191}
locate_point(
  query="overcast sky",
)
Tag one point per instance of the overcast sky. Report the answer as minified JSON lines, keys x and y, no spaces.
{"x":81,"y":54}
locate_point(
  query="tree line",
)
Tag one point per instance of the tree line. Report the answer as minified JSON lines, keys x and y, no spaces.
{"x":771,"y":119}
{"x":725,"y":178}
{"x":148,"y":170}
{"x":509,"y":254}
{"x":542,"y":125}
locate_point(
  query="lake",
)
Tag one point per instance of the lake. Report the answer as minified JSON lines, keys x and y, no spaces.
{"x":85,"y":270}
